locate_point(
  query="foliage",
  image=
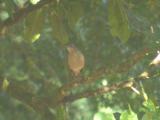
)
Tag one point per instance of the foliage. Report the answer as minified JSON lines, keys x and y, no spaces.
{"x":119,"y":39}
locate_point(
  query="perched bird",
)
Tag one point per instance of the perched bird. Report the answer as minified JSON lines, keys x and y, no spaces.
{"x":76,"y":60}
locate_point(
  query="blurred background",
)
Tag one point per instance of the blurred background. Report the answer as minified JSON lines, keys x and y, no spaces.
{"x":120,"y":36}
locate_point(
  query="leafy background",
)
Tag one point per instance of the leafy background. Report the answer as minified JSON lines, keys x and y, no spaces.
{"x":119,"y":39}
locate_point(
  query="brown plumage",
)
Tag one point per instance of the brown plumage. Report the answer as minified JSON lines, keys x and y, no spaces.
{"x":76,"y":60}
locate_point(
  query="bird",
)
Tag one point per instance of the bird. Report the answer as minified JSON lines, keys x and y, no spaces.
{"x":76,"y":59}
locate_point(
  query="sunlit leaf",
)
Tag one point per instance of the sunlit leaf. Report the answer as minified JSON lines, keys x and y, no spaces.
{"x":34,"y":1}
{"x":35,"y":37}
{"x":103,"y":116}
{"x":3,"y":15}
{"x":20,"y":3}
{"x":152,"y":112}
{"x":128,"y":115}
{"x":149,"y":105}
{"x":5,"y":84}
{"x":34,"y":24}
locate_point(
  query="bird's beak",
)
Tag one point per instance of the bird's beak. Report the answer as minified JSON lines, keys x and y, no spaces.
{"x":71,"y":48}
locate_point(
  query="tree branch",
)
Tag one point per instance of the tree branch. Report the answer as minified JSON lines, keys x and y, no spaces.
{"x":99,"y":91}
{"x":103,"y":71}
{"x":23,"y":91}
{"x":21,"y":13}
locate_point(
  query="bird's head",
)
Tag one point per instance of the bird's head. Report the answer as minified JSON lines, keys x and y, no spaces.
{"x":71,"y":48}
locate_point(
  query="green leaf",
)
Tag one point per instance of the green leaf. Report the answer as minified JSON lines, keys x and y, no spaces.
{"x":154,"y":115}
{"x":10,"y":6}
{"x":128,"y":115}
{"x":103,"y":116}
{"x":5,"y":84}
{"x":74,"y":10}
{"x":34,"y":1}
{"x":147,"y":116}
{"x":4,"y":15}
{"x":60,"y":112}
{"x":34,"y":24}
{"x":152,"y":112}
{"x":118,"y":20}
{"x":150,"y":105}
{"x":20,"y":3}
{"x":58,"y":27}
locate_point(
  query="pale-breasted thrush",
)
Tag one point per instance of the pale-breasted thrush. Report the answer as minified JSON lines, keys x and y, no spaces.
{"x":76,"y":60}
